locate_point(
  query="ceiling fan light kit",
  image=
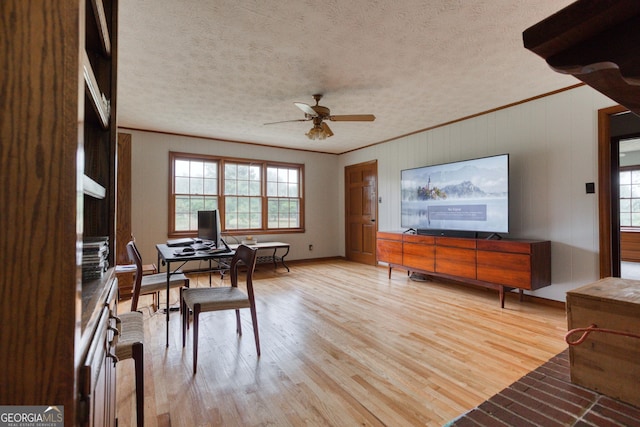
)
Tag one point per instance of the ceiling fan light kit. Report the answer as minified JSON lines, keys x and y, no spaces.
{"x":321,"y":131}
{"x":319,"y":113}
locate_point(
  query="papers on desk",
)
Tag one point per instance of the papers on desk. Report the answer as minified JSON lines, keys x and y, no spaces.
{"x":125,"y":268}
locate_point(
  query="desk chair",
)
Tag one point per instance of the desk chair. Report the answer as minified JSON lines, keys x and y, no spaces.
{"x":201,"y":300}
{"x":151,"y":283}
{"x":130,"y":345}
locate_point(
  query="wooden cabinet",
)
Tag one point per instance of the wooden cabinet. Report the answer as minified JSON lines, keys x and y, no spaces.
{"x":58,"y":186}
{"x":517,"y":264}
{"x":495,"y":264}
{"x":389,"y":248}
{"x":97,"y":404}
{"x":418,"y":252}
{"x":456,"y":257}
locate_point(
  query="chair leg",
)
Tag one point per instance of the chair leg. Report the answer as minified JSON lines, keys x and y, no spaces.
{"x":196,"y":314}
{"x":238,"y":325}
{"x":138,"y":358}
{"x":184,"y":316}
{"x":254,"y":320}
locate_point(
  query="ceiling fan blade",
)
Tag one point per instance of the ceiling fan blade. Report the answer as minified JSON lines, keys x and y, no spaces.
{"x":326,"y":129}
{"x":353,"y":118}
{"x":306,"y":109}
{"x":287,"y":121}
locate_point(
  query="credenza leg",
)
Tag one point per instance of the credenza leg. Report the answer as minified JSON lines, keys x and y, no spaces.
{"x":501,"y":296}
{"x":390,"y":272}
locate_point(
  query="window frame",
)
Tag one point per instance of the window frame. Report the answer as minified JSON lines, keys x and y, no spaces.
{"x":221,"y":161}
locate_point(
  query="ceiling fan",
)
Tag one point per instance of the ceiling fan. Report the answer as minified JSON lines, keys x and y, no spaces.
{"x":318,"y":114}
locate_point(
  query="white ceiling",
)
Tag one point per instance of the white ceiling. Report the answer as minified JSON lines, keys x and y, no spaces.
{"x":222,"y":68}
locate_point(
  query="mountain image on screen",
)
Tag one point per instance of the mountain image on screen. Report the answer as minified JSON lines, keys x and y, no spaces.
{"x":465,"y":189}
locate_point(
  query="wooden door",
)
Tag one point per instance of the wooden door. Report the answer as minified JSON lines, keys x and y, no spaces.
{"x":361,"y":211}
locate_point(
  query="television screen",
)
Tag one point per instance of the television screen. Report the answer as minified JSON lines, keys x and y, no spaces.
{"x":209,"y":227}
{"x":470,"y":195}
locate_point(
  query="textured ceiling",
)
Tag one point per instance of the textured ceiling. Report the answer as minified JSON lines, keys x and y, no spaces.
{"x":223,"y":68}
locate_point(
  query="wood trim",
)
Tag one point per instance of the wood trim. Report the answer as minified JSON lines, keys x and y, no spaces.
{"x":123,"y":219}
{"x":604,"y":186}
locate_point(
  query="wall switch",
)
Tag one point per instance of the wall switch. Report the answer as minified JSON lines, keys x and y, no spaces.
{"x":590,"y":187}
{"x":310,"y":247}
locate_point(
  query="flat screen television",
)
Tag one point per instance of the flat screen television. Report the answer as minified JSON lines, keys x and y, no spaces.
{"x":209,"y":227}
{"x":466,"y":196}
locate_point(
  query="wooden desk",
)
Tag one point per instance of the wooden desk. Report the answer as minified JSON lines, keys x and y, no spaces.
{"x":274,"y":258}
{"x":169,"y":255}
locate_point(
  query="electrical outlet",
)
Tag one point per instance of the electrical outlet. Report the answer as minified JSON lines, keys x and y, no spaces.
{"x":310,"y":247}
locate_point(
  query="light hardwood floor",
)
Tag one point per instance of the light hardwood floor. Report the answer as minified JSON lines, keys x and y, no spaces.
{"x":342,"y":345}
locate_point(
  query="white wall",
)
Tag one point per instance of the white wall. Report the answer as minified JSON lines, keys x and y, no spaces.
{"x":552,"y":144}
{"x":150,"y":186}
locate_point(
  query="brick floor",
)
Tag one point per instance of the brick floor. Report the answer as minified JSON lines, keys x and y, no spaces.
{"x":547,"y":397}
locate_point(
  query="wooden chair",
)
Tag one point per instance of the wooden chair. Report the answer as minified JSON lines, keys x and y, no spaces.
{"x":201,"y":300}
{"x":151,"y":283}
{"x":130,"y":345}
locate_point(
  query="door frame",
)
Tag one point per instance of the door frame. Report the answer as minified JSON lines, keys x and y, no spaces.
{"x":605,"y":206}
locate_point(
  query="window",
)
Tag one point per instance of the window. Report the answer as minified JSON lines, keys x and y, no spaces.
{"x":630,"y":198}
{"x":250,"y":195}
{"x":283,"y":200}
{"x":195,"y":189}
{"x":242,"y":196}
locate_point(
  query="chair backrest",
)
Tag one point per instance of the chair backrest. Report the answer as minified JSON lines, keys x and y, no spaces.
{"x":135,"y":258}
{"x":248,"y":257}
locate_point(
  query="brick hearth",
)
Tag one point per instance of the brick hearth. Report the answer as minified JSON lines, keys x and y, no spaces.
{"x":547,"y":397}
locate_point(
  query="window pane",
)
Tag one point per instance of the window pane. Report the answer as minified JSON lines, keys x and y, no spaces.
{"x":182,"y":222}
{"x":635,"y":177}
{"x":182,"y":167}
{"x":625,"y":191}
{"x":293,"y":190}
{"x":211,"y":170}
{"x":230,"y":171}
{"x":197,"y":204}
{"x":210,"y":203}
{"x":272,"y":189}
{"x":210,"y":186}
{"x":272,"y":174}
{"x":242,"y":188}
{"x":635,"y":190}
{"x":197,"y":169}
{"x":182,"y":185}
{"x":635,"y":219}
{"x":625,"y":205}
{"x":196,"y":186}
{"x":625,"y":178}
{"x":182,"y":204}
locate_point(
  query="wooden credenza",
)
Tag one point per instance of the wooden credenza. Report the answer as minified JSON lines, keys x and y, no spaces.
{"x":494,"y":264}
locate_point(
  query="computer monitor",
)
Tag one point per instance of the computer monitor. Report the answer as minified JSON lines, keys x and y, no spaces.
{"x":209,"y":227}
